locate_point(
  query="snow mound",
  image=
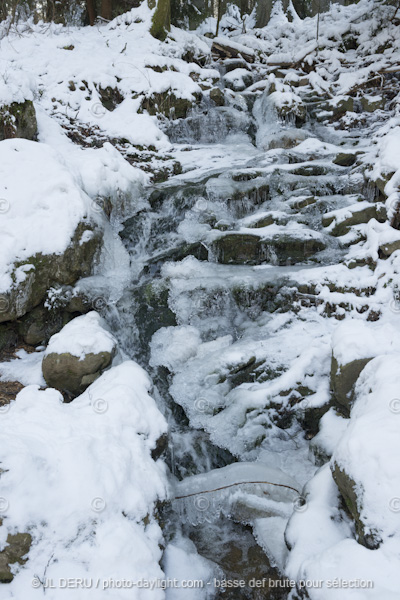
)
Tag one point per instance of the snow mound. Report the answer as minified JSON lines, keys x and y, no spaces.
{"x":356,"y":339}
{"x":40,"y":204}
{"x":81,"y":479}
{"x":84,"y":335}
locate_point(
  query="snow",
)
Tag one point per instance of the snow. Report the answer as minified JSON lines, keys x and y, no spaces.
{"x":43,"y":204}
{"x":354,"y":340}
{"x":236,"y":364}
{"x":82,"y":481}
{"x":25,"y":368}
{"x":83,"y":335}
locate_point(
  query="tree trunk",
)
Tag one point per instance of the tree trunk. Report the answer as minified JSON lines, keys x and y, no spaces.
{"x":106,"y":9}
{"x":91,"y":11}
{"x":161,"y":19}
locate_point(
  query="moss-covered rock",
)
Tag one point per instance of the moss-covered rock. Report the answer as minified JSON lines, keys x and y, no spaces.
{"x":18,"y":120}
{"x":345,"y":159}
{"x":42,"y":271}
{"x":217,"y":96}
{"x":167,"y":104}
{"x":372,"y":103}
{"x":161,"y":22}
{"x":340,"y":107}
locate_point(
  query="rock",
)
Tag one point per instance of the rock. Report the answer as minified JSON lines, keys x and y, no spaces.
{"x":224,"y":48}
{"x":167,"y":104}
{"x":43,"y":271}
{"x":152,"y":310}
{"x":386,"y":250}
{"x":345,"y":159}
{"x":355,"y":214}
{"x":78,"y":355}
{"x":239,"y":248}
{"x":288,"y":138}
{"x":217,"y":96}
{"x":339,"y":108}
{"x":18,"y":120}
{"x":289,"y":106}
{"x":343,"y":379}
{"x":372,"y":103}
{"x":38,"y":325}
{"x":352,"y":494}
{"x":15,"y":551}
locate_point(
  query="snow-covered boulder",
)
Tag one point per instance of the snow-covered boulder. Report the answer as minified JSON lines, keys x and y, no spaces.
{"x":354,"y":344}
{"x":48,"y":234}
{"x":364,"y":464}
{"x":76,"y":356}
{"x":80,"y":478}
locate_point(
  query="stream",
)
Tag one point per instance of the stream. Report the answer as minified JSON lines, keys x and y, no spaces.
{"x":217,"y":307}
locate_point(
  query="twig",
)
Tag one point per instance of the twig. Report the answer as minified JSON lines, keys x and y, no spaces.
{"x":224,"y":487}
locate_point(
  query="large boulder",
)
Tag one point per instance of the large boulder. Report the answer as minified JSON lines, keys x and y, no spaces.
{"x":354,"y":344}
{"x":49,"y":233}
{"x":364,"y":464}
{"x":78,"y":355}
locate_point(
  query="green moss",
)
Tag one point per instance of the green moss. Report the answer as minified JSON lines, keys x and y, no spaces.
{"x":161,"y":22}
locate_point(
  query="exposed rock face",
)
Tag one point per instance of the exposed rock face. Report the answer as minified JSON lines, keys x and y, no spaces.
{"x":372,"y":103}
{"x":352,"y":496}
{"x":343,"y":379}
{"x":18,"y":121}
{"x":238,"y":248}
{"x":167,"y":104}
{"x":44,"y":270}
{"x":17,"y":547}
{"x":356,"y":216}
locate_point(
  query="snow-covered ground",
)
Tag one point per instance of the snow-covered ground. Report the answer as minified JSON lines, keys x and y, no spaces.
{"x":80,"y":477}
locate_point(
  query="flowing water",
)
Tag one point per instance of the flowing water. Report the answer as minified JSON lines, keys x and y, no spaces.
{"x":234,"y":293}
